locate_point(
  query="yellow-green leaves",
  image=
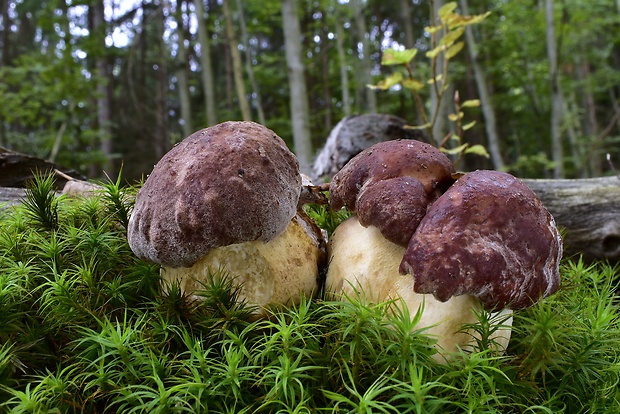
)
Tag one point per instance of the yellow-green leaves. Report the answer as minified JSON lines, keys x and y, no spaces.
{"x":398,"y":57}
{"x":393,"y":79}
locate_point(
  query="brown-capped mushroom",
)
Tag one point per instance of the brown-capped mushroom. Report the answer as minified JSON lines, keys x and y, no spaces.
{"x":234,"y":186}
{"x":390,"y":185}
{"x":488,"y":236}
{"x":362,"y":263}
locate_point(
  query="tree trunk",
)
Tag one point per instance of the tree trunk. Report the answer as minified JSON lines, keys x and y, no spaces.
{"x":344,"y":73}
{"x":248,"y":65}
{"x":588,"y":210}
{"x":104,"y":116}
{"x":297,"y":83}
{"x":324,"y":56}
{"x":488,"y":110}
{"x":365,"y":78}
{"x":246,"y":115}
{"x":162,"y":131}
{"x":557,"y":106}
{"x":208,"y":85}
{"x":181,"y":74}
{"x":439,"y":103}
{"x":407,"y":22}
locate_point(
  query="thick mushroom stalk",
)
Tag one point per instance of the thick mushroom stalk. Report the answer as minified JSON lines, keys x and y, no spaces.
{"x":230,"y":184}
{"x":362,"y":263}
{"x":488,"y":236}
{"x":271,"y":274}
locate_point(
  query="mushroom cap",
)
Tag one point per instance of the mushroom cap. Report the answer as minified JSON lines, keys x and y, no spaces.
{"x":390,"y":159}
{"x":489,"y":236}
{"x":398,"y":220}
{"x":226,"y":184}
{"x":391,"y":184}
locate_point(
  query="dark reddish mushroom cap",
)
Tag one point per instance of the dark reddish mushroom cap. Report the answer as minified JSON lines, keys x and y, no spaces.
{"x":395,"y":206}
{"x":391,"y":159}
{"x":227,"y":184}
{"x":391,"y":184}
{"x":488,"y":236}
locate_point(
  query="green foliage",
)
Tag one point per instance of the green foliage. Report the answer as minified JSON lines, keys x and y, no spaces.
{"x":87,"y":327}
{"x":451,"y":27}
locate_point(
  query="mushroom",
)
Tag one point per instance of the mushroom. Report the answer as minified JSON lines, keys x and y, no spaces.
{"x":225,"y":198}
{"x":488,"y":236}
{"x":461,"y":249}
{"x":364,"y":265}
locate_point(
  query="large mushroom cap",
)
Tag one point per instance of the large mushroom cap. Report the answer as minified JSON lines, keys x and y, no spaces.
{"x":230,"y":183}
{"x":488,"y":236}
{"x":390,"y":159}
{"x":390,"y":185}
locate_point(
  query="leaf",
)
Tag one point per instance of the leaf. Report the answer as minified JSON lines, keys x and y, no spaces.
{"x":451,"y":37}
{"x":388,"y":82}
{"x":413,"y":84}
{"x":433,"y":53}
{"x":427,"y":125}
{"x":459,"y":20}
{"x":455,"y":117}
{"x":438,"y":78}
{"x":454,"y":151}
{"x":468,"y":126}
{"x":454,"y":49}
{"x":398,"y":57}
{"x":478,"y":150}
{"x":433,"y":29}
{"x":471,"y":103}
{"x":446,"y":9}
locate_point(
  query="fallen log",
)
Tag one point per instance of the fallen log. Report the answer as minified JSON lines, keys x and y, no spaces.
{"x":17,"y":169}
{"x":588,"y":211}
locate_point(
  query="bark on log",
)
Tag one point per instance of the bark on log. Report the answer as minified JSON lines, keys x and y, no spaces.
{"x":589,"y":212}
{"x":17,"y":169}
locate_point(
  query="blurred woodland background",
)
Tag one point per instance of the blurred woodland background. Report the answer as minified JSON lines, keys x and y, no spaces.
{"x":99,"y":84}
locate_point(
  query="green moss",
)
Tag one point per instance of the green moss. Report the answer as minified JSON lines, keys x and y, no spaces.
{"x":86,"y":327}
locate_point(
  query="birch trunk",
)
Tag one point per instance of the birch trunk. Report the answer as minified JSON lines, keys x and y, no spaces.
{"x":488,"y":111}
{"x":161,"y":134}
{"x":208,"y":86}
{"x":104,"y":116}
{"x":244,"y":106}
{"x":365,"y":78}
{"x":248,"y":65}
{"x":557,"y":106}
{"x":344,"y":74}
{"x":297,"y":83}
{"x":181,"y":74}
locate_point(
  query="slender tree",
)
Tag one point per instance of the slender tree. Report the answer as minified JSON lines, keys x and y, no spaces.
{"x":344,"y":73}
{"x":365,"y":63}
{"x":248,"y":64}
{"x":488,"y":110}
{"x":300,"y":117}
{"x":181,"y":73}
{"x":104,"y":118}
{"x":208,"y":85}
{"x":237,"y":69}
{"x":557,"y":105}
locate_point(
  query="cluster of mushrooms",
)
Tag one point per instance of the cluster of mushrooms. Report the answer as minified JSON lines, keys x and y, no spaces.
{"x":228,"y":198}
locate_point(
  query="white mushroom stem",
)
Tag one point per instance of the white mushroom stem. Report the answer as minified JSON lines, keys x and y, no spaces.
{"x":269,"y":274}
{"x":362,"y":263}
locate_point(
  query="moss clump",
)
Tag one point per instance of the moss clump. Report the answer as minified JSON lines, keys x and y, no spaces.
{"x":85,"y":327}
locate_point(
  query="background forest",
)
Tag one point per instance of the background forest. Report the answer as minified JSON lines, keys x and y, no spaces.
{"x":96,"y":84}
